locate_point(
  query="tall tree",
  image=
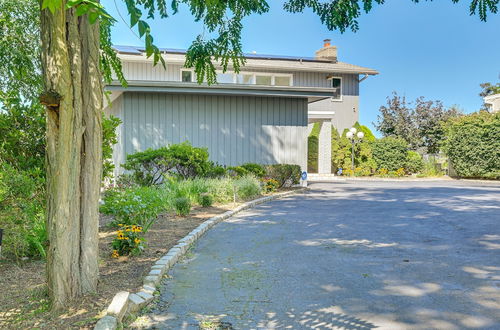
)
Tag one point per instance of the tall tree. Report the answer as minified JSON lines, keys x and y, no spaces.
{"x":418,"y":123}
{"x":397,"y":119}
{"x":74,"y":67}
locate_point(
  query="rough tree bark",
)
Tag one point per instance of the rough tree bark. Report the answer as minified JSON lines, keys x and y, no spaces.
{"x":73,"y":84}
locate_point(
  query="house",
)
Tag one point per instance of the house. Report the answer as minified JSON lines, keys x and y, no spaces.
{"x":492,"y":102}
{"x":260,"y":114}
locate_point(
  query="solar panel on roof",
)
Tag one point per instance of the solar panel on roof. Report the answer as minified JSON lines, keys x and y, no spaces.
{"x":127,"y":49}
{"x":139,"y":50}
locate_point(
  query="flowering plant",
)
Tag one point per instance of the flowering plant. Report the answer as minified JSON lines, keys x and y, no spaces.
{"x":270,"y":185}
{"x":128,"y":240}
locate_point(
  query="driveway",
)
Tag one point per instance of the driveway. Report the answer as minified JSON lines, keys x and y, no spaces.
{"x":346,"y":255}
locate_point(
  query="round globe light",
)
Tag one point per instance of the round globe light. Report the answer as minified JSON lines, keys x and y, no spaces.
{"x":349,"y":135}
{"x":361,"y":135}
{"x":353,"y":130}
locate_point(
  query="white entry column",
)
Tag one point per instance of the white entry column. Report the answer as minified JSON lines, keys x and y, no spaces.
{"x":325,"y":148}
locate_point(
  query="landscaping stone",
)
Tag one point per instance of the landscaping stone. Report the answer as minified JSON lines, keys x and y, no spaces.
{"x":149,"y":289}
{"x":155,"y":272}
{"x":136,"y":302}
{"x":118,"y":305}
{"x":152,"y":280}
{"x":146,"y":296}
{"x":108,"y":322}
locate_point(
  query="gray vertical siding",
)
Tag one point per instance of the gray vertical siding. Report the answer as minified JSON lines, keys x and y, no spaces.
{"x":235,"y":129}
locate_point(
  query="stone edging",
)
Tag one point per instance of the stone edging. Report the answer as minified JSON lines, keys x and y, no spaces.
{"x":125,"y":302}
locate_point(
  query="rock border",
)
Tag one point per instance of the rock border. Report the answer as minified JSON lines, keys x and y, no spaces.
{"x":125,"y":303}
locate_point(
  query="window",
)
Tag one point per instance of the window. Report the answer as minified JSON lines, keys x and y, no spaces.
{"x":187,"y":76}
{"x":337,"y":89}
{"x":225,"y":78}
{"x":263,"y":80}
{"x":282,"y":81}
{"x":246,"y":79}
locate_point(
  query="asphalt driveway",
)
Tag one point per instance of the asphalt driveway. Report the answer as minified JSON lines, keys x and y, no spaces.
{"x":347,"y":255}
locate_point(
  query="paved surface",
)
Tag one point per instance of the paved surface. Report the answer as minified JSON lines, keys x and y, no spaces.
{"x":347,"y":255}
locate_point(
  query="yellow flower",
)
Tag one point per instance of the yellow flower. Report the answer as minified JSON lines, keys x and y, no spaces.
{"x":115,"y":254}
{"x":137,"y":241}
{"x":120,"y":225}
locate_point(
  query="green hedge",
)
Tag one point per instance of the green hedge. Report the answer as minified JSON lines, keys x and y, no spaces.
{"x":472,"y":144}
{"x":313,"y":149}
{"x":390,"y":153}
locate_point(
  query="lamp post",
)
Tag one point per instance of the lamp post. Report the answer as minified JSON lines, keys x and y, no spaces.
{"x":355,"y":138}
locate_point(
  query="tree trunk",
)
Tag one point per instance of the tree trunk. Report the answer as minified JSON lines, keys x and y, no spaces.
{"x":72,"y":79}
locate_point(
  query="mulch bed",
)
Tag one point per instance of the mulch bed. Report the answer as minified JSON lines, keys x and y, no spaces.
{"x":23,"y":293}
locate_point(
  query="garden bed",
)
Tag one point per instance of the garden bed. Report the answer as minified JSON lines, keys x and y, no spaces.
{"x":24,"y":302}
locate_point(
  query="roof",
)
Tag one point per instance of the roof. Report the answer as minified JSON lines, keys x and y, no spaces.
{"x":310,"y":93}
{"x":256,"y":61}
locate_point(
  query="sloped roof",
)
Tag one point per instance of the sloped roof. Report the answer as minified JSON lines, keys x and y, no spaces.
{"x":254,"y":61}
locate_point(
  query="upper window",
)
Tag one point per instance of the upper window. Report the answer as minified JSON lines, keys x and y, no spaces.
{"x":186,"y":75}
{"x":263,"y":80}
{"x":225,"y":78}
{"x":244,"y":78}
{"x":337,"y":88}
{"x":283,"y":80}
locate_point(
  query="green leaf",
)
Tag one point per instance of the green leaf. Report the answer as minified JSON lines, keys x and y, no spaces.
{"x":93,"y":16}
{"x":52,"y":5}
{"x":143,"y":28}
{"x":82,"y":9}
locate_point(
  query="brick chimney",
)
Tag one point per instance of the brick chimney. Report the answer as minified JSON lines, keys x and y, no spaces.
{"x":328,"y":52}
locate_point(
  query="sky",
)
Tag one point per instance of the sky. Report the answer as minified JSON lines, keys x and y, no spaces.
{"x":431,"y":49}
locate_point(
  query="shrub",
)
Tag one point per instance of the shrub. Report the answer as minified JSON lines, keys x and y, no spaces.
{"x":336,"y":147}
{"x":134,"y":206}
{"x":206,"y":200}
{"x":472,"y":144}
{"x":216,"y":171}
{"x":362,"y":171}
{"x":128,"y":240}
{"x":22,"y":212}
{"x":414,"y":164}
{"x":255,"y":169}
{"x":270,"y":185}
{"x":222,"y":190}
{"x":286,"y":174}
{"x":189,"y":161}
{"x":383,"y":172}
{"x":247,"y":187}
{"x":400,"y":172}
{"x":237,"y":171}
{"x":313,"y":148}
{"x":182,"y":206}
{"x":390,"y":153}
{"x":368,"y":133}
{"x":148,"y":167}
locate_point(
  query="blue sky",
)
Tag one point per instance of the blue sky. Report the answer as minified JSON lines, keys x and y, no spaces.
{"x":432,"y":49}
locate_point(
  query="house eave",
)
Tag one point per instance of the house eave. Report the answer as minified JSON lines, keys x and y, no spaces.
{"x":266,"y":64}
{"x":311,"y":94}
